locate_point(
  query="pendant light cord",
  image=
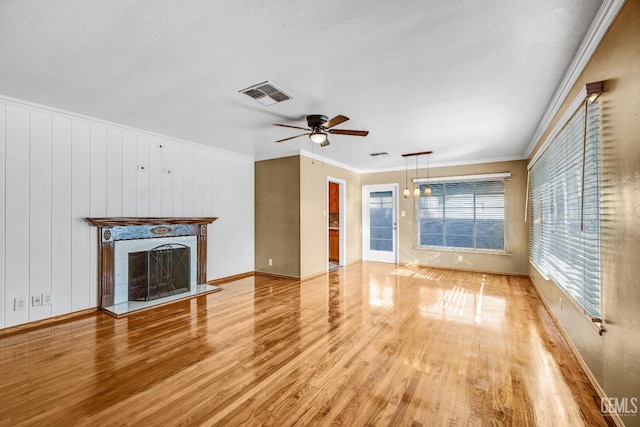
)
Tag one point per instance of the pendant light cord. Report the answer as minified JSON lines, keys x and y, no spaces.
{"x":406,"y":172}
{"x":427,"y":170}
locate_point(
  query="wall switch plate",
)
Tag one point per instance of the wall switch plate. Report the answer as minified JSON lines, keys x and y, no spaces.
{"x":270,"y":261}
{"x":46,"y":299}
{"x":36,"y":300}
{"x":403,"y":214}
{"x":19,"y":304}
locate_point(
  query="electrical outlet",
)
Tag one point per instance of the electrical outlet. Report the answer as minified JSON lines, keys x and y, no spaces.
{"x":46,"y":299}
{"x":19,"y":304}
{"x":270,"y":261}
{"x":460,"y":258}
{"x":36,"y":300}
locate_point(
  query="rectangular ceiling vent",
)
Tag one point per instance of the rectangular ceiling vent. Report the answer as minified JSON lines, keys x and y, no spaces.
{"x":381,"y":153}
{"x":266,"y":93}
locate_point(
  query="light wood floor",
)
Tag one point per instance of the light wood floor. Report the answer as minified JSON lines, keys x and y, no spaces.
{"x":370,"y":344}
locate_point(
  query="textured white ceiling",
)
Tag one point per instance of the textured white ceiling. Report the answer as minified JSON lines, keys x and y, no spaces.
{"x":467,"y":79}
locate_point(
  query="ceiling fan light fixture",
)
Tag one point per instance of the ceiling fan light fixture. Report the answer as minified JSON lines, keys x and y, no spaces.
{"x":317,"y":136}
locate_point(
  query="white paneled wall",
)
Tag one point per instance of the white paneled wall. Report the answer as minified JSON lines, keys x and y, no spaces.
{"x":59,"y":168}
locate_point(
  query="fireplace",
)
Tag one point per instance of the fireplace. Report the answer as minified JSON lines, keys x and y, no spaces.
{"x":160,"y":272}
{"x":151,"y":268}
{"x":146,"y":261}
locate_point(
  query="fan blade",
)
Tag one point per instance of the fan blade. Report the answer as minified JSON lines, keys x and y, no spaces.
{"x":348,"y":132}
{"x":336,"y":121}
{"x":289,"y":126}
{"x":291,"y":137}
{"x":325,"y":143}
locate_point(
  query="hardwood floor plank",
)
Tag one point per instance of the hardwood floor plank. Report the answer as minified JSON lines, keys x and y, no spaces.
{"x":368,"y":344}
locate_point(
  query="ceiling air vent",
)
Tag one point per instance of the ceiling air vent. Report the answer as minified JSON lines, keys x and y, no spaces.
{"x":266,"y":93}
{"x":381,"y":153}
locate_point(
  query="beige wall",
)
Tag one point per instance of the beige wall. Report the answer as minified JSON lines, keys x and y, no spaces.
{"x":614,"y":357}
{"x":313,"y":204}
{"x":291,"y":223}
{"x":514,"y":263}
{"x":277,"y":216}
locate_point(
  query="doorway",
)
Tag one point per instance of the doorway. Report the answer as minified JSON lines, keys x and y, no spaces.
{"x":379,"y":223}
{"x":336,"y":242}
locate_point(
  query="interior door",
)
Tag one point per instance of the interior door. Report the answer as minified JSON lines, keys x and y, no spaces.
{"x":380,"y":230}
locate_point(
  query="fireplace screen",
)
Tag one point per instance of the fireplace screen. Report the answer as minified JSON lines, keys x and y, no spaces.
{"x":160,"y":272}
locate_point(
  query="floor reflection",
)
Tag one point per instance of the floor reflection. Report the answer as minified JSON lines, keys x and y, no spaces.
{"x":276,"y":319}
{"x":463,"y":302}
{"x":334,"y":303}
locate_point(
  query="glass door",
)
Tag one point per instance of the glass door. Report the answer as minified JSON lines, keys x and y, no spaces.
{"x":379,"y":236}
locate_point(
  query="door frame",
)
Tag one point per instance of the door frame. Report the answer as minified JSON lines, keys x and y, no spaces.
{"x":366,"y":189}
{"x":342,"y":229}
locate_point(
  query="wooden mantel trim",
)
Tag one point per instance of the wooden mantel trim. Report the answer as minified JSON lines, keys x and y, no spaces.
{"x":125,"y":221}
{"x":110,"y":230}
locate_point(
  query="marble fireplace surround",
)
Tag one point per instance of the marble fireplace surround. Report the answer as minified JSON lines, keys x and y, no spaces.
{"x":111,"y":230}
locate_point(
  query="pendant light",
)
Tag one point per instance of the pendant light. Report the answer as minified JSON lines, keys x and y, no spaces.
{"x":427,"y":191}
{"x":416,"y":191}
{"x":406,"y":192}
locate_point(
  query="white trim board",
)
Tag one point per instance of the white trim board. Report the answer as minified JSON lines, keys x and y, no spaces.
{"x":480,"y":177}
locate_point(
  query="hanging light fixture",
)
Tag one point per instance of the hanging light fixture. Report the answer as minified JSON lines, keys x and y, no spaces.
{"x":406,"y":192}
{"x":427,"y":191}
{"x":416,"y":191}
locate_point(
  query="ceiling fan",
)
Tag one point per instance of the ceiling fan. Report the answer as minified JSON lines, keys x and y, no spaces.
{"x":320,"y":126}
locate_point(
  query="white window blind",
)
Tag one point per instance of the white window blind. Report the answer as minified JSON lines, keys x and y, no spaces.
{"x":564,"y":209}
{"x":464,"y":214}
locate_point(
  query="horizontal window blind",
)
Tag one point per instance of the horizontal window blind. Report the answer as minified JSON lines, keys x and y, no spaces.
{"x":564,"y":209}
{"x":464,"y":214}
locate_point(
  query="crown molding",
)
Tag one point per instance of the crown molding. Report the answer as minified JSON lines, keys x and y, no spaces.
{"x":603,"y":20}
{"x":271,"y":156}
{"x":51,"y":110}
{"x":309,"y":155}
{"x":448,"y":164}
{"x":329,"y":161}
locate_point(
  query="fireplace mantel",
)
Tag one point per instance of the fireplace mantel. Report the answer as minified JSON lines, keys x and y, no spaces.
{"x":113,"y":229}
{"x":128,"y":221}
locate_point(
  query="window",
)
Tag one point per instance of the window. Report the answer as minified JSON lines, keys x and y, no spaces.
{"x":564,"y":209}
{"x":463,"y":213}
